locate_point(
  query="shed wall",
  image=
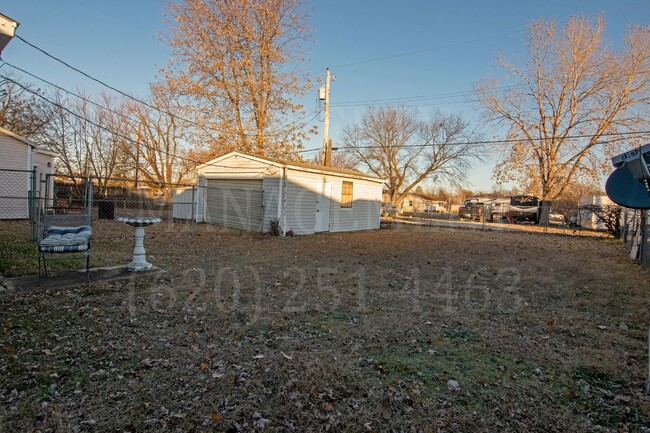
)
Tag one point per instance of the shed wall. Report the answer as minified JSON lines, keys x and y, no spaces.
{"x":15,"y":154}
{"x":14,"y":186}
{"x":294,"y":199}
{"x":300,"y":207}
{"x":366,"y":206}
{"x":271,"y":196}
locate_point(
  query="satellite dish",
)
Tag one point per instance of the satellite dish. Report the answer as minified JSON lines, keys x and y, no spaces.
{"x":624,"y":189}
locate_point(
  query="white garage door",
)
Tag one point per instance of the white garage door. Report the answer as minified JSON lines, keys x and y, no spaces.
{"x":236,"y":203}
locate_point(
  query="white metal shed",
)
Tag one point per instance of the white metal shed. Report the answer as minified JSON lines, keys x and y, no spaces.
{"x":248,"y":192}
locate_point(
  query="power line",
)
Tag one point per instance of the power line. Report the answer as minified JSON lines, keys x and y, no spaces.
{"x":490,"y":142}
{"x":415,"y":98}
{"x":95,"y":79}
{"x":90,"y":101}
{"x":140,"y":101}
{"x":423,"y":50}
{"x":56,"y":104}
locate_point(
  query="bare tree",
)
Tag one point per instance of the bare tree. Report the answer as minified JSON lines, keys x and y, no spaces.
{"x":21,"y":111}
{"x":609,"y":215}
{"x":572,"y":89}
{"x":234,"y":65}
{"x":339,"y":160}
{"x":569,"y":201}
{"x":80,"y":132}
{"x":157,"y":148}
{"x":395,"y":145}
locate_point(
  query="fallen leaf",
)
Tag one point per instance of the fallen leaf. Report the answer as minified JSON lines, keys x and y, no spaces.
{"x":204,"y":366}
{"x":385,"y":409}
{"x":216,"y":417}
{"x":622,"y":399}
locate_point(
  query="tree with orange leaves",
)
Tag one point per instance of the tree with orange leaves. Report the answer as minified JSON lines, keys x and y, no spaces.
{"x":235,"y":68}
{"x":570,"y":105}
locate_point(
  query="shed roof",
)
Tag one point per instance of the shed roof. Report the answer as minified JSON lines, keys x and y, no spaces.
{"x":297,"y":165}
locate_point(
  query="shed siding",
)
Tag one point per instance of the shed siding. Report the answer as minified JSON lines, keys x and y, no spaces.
{"x":366,"y":206}
{"x":295,"y":196}
{"x":15,"y":154}
{"x":300,"y":205}
{"x":271,"y":193}
{"x":41,"y":160}
{"x":14,"y":186}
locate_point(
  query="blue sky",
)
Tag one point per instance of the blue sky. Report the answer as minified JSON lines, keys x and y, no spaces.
{"x":424,"y":48}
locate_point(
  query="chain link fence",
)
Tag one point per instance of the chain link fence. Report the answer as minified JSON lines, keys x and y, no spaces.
{"x":16,"y":191}
{"x":19,"y":196}
{"x":636,"y":234}
{"x":116,"y":197}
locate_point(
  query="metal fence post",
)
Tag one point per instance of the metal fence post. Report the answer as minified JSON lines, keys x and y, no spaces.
{"x":32,"y":205}
{"x":89,"y":199}
{"x":193,"y":207}
{"x":644,"y":254}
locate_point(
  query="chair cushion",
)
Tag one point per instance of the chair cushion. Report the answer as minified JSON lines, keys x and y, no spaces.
{"x":58,"y":237}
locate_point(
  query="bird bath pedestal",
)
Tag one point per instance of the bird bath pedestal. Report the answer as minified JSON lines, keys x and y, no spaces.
{"x":139,"y":262}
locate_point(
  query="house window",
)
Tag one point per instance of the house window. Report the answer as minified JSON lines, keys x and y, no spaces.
{"x":346,"y":194}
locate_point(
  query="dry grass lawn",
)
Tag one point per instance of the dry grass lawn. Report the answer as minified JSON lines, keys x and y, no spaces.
{"x":403,"y":329}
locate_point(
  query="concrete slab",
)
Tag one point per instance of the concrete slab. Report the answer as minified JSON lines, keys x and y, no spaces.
{"x":69,"y":279}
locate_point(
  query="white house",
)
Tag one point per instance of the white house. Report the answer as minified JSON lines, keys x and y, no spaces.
{"x":248,"y":192}
{"x":19,"y":158}
{"x":415,"y":202}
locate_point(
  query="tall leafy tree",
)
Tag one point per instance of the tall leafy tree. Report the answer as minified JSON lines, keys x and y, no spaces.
{"x":565,"y":100}
{"x":234,"y":65}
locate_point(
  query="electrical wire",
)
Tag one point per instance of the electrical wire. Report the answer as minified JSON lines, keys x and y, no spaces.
{"x":423,"y":50}
{"x":172,"y":155}
{"x":140,"y":101}
{"x":85,"y":119}
{"x":90,"y":101}
{"x":633,"y":134}
{"x":415,"y":98}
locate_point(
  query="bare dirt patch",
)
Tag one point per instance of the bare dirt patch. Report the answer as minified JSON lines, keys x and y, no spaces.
{"x":405,"y":329}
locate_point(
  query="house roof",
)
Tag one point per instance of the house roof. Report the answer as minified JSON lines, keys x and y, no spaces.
{"x":423,"y":196}
{"x":27,"y":142}
{"x":297,"y":165}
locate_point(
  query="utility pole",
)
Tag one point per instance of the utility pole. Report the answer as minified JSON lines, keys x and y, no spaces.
{"x":328,"y":160}
{"x":326,"y":121}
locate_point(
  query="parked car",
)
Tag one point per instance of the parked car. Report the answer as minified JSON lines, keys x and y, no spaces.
{"x":556,"y":218}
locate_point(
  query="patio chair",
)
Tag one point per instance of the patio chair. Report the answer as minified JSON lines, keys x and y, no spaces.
{"x":62,"y":240}
{"x":65,"y":233}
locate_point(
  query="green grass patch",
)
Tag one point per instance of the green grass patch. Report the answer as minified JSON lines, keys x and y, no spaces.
{"x":495,"y":385}
{"x":17,"y":256}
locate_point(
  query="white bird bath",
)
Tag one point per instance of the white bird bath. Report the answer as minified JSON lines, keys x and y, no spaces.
{"x":139,"y":262}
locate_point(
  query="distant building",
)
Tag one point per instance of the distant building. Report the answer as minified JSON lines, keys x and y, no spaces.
{"x":588,"y":219}
{"x":415,"y":202}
